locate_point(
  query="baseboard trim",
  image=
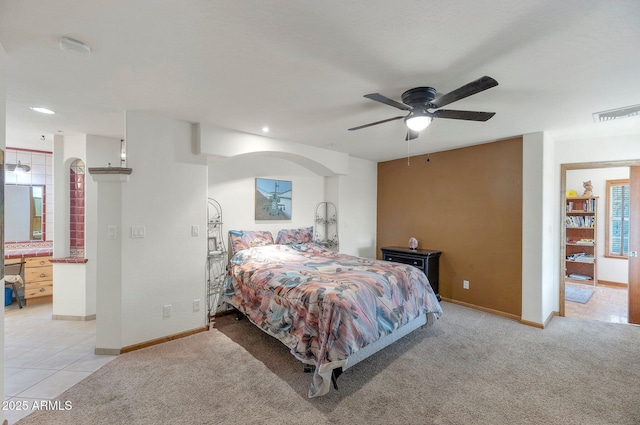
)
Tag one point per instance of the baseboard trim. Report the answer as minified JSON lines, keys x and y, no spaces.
{"x":484,"y":309}
{"x":540,"y":325}
{"x":613,"y":284}
{"x":106,"y":351}
{"x":157,"y":341}
{"x":76,"y":318}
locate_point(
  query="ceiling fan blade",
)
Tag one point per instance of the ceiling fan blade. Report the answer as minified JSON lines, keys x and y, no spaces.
{"x":463,"y":115}
{"x":375,"y":123}
{"x":383,"y":99}
{"x":467,"y":90}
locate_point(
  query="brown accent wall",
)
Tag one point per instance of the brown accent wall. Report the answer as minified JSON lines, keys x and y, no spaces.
{"x":466,"y":203}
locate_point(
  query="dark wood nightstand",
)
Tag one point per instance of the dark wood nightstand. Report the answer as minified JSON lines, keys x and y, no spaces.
{"x":427,"y":260}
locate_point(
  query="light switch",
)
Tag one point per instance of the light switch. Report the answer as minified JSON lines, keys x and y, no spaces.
{"x":112,"y":232}
{"x":195,"y":230}
{"x":137,"y":231}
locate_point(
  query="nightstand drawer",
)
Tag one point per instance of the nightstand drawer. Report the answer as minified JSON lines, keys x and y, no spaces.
{"x":418,"y":262}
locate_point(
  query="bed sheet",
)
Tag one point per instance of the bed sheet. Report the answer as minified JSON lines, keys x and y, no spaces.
{"x":324,"y":305}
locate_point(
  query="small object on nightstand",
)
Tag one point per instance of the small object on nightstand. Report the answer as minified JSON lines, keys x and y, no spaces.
{"x":413,"y":243}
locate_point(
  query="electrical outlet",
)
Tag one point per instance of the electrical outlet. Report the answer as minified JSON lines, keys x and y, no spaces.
{"x":166,"y":311}
{"x":196,"y":305}
{"x":465,"y":284}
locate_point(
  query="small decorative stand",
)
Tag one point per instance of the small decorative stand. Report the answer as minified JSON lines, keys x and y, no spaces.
{"x":326,"y":230}
{"x":216,"y":259}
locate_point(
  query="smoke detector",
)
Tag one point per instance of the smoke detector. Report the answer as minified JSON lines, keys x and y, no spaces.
{"x":71,"y":45}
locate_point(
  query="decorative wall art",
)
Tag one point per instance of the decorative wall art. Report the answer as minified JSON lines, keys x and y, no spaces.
{"x":273,"y":199}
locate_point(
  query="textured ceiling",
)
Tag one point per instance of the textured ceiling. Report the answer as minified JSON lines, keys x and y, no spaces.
{"x":302,"y":67}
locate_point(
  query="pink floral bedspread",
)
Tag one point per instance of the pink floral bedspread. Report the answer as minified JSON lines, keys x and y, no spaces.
{"x":324,"y":305}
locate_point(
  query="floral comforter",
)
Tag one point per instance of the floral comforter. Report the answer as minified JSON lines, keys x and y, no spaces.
{"x":324,"y":305}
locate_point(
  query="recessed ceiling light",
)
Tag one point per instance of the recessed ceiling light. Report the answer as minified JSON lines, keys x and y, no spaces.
{"x":265,"y":129}
{"x":42,"y":110}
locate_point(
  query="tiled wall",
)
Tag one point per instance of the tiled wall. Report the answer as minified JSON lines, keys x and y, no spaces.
{"x":41,"y":173}
{"x":76,"y":210}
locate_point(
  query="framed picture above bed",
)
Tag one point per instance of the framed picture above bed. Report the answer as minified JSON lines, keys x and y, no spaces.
{"x":273,"y":199}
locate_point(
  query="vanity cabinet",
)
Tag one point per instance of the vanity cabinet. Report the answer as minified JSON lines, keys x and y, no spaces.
{"x":38,"y":280}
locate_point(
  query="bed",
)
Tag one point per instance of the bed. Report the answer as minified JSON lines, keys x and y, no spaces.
{"x":332,"y":310}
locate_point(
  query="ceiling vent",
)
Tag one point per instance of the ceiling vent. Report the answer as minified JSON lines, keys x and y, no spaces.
{"x":616,"y":114}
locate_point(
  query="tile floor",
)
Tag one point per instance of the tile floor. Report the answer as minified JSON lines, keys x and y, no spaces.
{"x":44,"y":357}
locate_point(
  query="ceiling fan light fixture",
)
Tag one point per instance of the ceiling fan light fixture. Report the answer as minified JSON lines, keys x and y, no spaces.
{"x":418,"y":120}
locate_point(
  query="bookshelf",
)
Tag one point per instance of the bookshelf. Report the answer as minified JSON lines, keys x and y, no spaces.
{"x":581,"y":224}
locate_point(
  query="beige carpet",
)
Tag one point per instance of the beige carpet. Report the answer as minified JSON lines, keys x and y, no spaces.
{"x":469,"y":368}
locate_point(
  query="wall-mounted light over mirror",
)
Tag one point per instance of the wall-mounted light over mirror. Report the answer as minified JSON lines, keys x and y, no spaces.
{"x":18,"y":168}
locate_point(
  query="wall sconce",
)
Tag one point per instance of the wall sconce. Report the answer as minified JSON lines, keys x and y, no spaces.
{"x":18,"y":169}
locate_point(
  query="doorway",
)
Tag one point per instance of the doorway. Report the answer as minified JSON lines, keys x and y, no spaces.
{"x":613,"y":279}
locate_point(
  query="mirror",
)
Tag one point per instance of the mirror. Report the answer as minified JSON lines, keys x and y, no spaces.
{"x":23,"y":213}
{"x":2,"y":213}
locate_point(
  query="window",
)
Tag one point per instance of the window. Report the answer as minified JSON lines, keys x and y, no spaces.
{"x":617,"y":229}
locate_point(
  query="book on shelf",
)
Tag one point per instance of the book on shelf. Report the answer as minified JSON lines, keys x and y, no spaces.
{"x":585,"y":242}
{"x":581,"y":257}
{"x":579,"y":221}
{"x":587,"y":205}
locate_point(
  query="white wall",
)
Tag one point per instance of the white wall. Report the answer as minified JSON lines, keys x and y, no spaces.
{"x":537,"y":280}
{"x":357,"y":214}
{"x":232,"y":184}
{"x":100,"y":151}
{"x":317,"y":175}
{"x":225,"y":143}
{"x":167,"y":194}
{"x":609,"y":269}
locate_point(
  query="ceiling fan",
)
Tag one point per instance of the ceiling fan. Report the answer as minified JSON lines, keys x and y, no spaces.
{"x":418,"y":101}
